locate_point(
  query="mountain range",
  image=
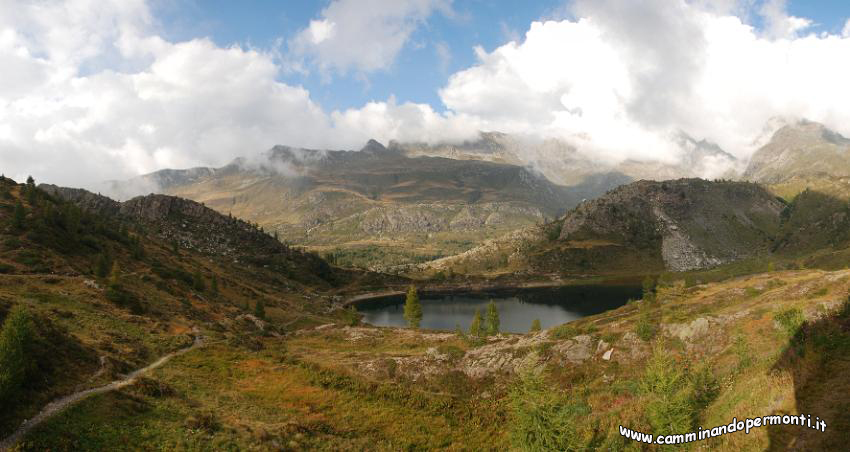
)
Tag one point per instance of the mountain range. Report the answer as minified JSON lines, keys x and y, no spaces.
{"x":176,"y":324}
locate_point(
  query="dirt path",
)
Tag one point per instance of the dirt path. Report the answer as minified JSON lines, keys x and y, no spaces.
{"x":60,"y":404}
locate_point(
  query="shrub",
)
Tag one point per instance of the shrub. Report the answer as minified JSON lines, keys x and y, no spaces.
{"x":452,"y":351}
{"x":535,"y":326}
{"x":19,"y":217}
{"x":16,"y":361}
{"x":563,"y":332}
{"x":260,"y":310}
{"x":198,"y":281}
{"x":649,"y":284}
{"x":705,"y":386}
{"x":350,"y":316}
{"x":790,"y":320}
{"x":646,"y":328}
{"x":742,"y":351}
{"x":124,"y":299}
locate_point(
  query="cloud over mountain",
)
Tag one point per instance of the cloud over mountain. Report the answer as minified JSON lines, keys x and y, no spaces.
{"x":93,"y":88}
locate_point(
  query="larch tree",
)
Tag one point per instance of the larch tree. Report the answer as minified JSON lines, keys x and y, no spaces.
{"x":412,"y":308}
{"x":492,"y":318}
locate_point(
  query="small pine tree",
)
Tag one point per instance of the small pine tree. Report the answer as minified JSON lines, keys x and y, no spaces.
{"x":260,"y":310}
{"x":475,"y":326}
{"x":174,"y":248}
{"x":16,"y":338}
{"x":31,"y":191}
{"x":535,"y":326}
{"x":103,"y":265}
{"x":412,"y":308}
{"x":115,"y":276}
{"x":138,"y":250}
{"x":214,"y":284}
{"x":649,"y":288}
{"x":198,"y":281}
{"x":20,"y":216}
{"x":492,"y":319}
{"x":670,"y":396}
{"x":459,"y":331}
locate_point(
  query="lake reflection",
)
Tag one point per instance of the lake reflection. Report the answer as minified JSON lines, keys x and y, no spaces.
{"x":517,"y":308}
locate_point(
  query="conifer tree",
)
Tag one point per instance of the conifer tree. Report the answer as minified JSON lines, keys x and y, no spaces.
{"x":16,"y":338}
{"x":649,"y":289}
{"x":475,"y":326}
{"x":30,"y":191}
{"x":535,"y":326}
{"x":260,"y":310}
{"x":19,"y":218}
{"x":412,"y":308}
{"x":492,"y":318}
{"x":103,"y":265}
{"x":114,"y":276}
{"x":214,"y":284}
{"x":198,"y":281}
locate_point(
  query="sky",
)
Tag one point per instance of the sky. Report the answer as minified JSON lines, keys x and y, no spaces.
{"x":109,"y":89}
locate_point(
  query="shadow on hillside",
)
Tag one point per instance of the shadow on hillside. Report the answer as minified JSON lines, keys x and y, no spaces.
{"x":818,"y":358}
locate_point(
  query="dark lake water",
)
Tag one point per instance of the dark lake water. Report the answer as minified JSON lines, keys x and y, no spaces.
{"x":517,"y":308}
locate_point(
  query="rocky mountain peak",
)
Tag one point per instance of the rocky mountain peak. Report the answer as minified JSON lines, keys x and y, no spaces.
{"x":800,"y":149}
{"x":373,"y":146}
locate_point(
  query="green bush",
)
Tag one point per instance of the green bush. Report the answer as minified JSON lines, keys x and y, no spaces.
{"x":544,"y":420}
{"x":790,"y":320}
{"x":565,"y":331}
{"x":452,"y":351}
{"x":125,"y":299}
{"x":16,"y":361}
{"x":646,"y":328}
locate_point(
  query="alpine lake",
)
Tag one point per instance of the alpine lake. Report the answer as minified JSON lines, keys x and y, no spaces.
{"x":518,"y":308}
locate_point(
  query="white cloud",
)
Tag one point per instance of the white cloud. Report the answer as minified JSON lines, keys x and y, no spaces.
{"x":778,"y":24}
{"x":362,"y":35}
{"x":620,"y":78}
{"x":846,"y":31}
{"x":90,"y":91}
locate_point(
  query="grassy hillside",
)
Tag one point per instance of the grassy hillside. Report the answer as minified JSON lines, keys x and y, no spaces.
{"x":753,"y":346}
{"x":108,"y":293}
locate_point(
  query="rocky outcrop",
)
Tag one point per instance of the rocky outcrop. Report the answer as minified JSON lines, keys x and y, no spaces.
{"x":86,"y":200}
{"x":692,"y":222}
{"x":193,"y":226}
